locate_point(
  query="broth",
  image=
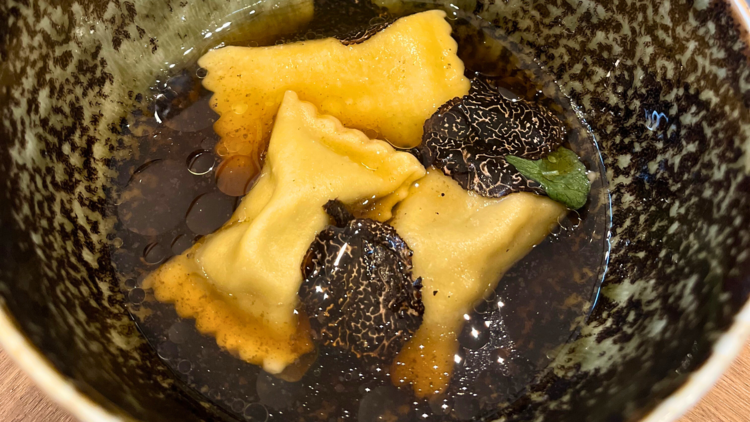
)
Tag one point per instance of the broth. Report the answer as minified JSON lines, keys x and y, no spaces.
{"x":177,"y":187}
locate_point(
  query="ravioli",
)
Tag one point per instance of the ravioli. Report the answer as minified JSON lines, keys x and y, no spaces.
{"x":221,"y":314}
{"x":463,"y":244}
{"x":253,"y":264}
{"x":387,"y":85}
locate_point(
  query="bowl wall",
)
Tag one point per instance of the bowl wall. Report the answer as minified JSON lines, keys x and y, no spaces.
{"x":664,"y":86}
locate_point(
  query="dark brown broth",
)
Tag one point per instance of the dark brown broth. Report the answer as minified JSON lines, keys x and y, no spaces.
{"x":166,"y":196}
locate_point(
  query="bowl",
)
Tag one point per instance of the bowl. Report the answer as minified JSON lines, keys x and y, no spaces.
{"x":664,"y":87}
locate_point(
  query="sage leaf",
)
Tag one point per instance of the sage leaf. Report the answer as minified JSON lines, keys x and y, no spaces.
{"x":561,"y":174}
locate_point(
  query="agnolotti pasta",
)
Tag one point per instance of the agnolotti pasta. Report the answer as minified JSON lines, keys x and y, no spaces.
{"x":387,"y":85}
{"x":252,"y":265}
{"x":463,"y":244}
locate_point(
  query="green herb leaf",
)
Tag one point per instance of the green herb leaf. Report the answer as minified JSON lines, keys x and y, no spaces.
{"x":560,"y":173}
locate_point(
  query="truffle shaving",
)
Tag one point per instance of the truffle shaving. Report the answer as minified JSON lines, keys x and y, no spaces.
{"x":358,"y":290}
{"x":469,"y":137}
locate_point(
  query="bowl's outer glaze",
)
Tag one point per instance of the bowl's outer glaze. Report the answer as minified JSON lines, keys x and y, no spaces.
{"x":665,"y":87}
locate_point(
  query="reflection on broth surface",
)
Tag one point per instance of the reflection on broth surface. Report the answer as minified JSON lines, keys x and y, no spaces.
{"x":184,"y":183}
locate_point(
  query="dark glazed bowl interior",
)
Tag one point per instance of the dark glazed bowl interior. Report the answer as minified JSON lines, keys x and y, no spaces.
{"x":663,"y":85}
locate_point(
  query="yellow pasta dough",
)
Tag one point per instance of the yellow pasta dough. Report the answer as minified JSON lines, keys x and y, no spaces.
{"x":254,"y":262}
{"x":387,"y":85}
{"x":463,"y":244}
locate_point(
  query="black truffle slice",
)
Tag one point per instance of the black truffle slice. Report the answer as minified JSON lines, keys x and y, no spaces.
{"x":469,"y":137}
{"x":358,"y":290}
{"x":358,"y":37}
{"x":345,"y":21}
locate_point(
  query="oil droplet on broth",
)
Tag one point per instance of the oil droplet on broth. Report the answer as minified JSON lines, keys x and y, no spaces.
{"x":129,"y":284}
{"x":235,"y":175}
{"x":155,"y":253}
{"x":137,"y":296}
{"x":167,"y":350}
{"x":256,"y":412}
{"x":155,"y":198}
{"x":184,"y":367}
{"x":201,"y":162}
{"x":181,"y":243}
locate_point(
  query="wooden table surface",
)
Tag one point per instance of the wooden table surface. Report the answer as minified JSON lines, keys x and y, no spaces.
{"x":21,"y":401}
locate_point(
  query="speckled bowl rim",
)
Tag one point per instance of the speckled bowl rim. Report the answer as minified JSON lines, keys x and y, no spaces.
{"x":699,"y":383}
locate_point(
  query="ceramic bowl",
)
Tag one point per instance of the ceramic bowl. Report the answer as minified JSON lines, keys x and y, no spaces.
{"x":664,"y":86}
